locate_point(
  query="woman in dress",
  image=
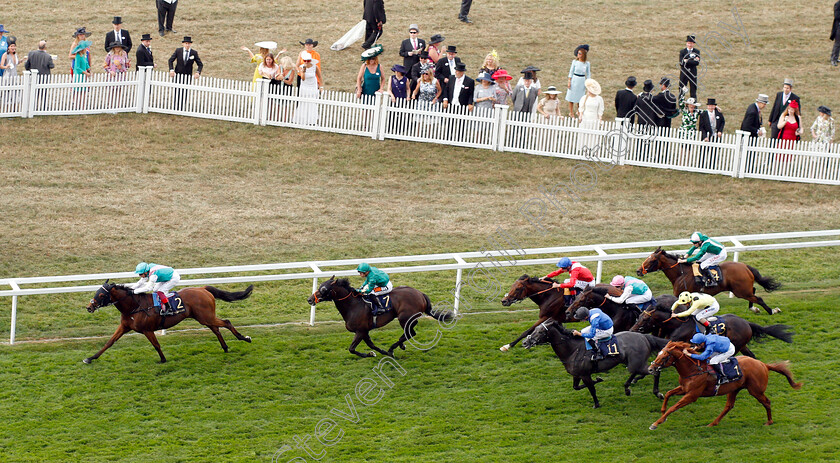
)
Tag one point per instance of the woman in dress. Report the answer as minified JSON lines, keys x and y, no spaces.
{"x":591,"y":109}
{"x":307,"y":112}
{"x":370,"y":79}
{"x":434,"y":48}
{"x":81,"y":70}
{"x":116,"y":61}
{"x":550,"y":105}
{"x":286,"y":77}
{"x":822,"y":130}
{"x":579,"y":73}
{"x":688,"y":109}
{"x":78,"y":36}
{"x":268,"y":69}
{"x":398,"y":87}
{"x":426,"y":93}
{"x":484,"y":97}
{"x":790,"y":129}
{"x":502,"y":87}
{"x":491,"y":63}
{"x":9,"y":63}
{"x":259,"y":57}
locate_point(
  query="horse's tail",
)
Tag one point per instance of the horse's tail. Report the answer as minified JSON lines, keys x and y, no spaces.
{"x":767,"y":283}
{"x":784,"y":368}
{"x":777,"y":331}
{"x":656,"y":343}
{"x":439,"y":316}
{"x":229,"y":296}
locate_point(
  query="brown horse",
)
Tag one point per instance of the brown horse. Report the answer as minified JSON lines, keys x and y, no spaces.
{"x":408,"y":304}
{"x":624,"y":316}
{"x":550,"y":301}
{"x":739,"y":278}
{"x":139,"y":314}
{"x":697,"y":381}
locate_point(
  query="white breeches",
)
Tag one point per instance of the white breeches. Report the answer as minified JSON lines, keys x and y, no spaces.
{"x":711,"y":259}
{"x":720,"y":358}
{"x":165,"y":287}
{"x":378,"y":291}
{"x":599,"y":334}
{"x":580,"y":284}
{"x":639,"y":298}
{"x":707,"y":312}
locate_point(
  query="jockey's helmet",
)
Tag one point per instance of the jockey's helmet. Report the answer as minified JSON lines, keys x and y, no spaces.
{"x":617,"y":280}
{"x":564,"y":262}
{"x":685,"y":297}
{"x":698,"y":338}
{"x":363,"y":267}
{"x":141,"y":268}
{"x":582,"y":313}
{"x":697,"y":237}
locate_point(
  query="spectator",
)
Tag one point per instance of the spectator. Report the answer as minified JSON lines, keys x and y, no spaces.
{"x":309,"y":47}
{"x":646,"y":111}
{"x":533,"y":70}
{"x":81,"y":70}
{"x":525,"y":95}
{"x":399,"y":86}
{"x":118,"y":35}
{"x":434,"y":48}
{"x":463,"y":15}
{"x":460,"y":89}
{"x":144,"y":52}
{"x":711,"y":122}
{"x":550,"y":105}
{"x":591,"y":108}
{"x":9,"y":62}
{"x":835,"y":34}
{"x":411,"y":48}
{"x":307,"y":112}
{"x":491,"y":63}
{"x":578,"y":74}
{"x":41,"y":61}
{"x":78,"y":36}
{"x":484,"y":96}
{"x":286,"y":78}
{"x":822,"y":130}
{"x":374,"y":16}
{"x":414,"y":72}
{"x":269,"y":69}
{"x":166,"y":15}
{"x":445,"y":68}
{"x":258,"y":58}
{"x":780,"y":105}
{"x":752,"y":122}
{"x":4,"y":44}
{"x":689,"y":60}
{"x":181,"y":63}
{"x":688,"y":109}
{"x":427,"y":92}
{"x":503,"y":89}
{"x":370,"y":79}
{"x":625,"y":100}
{"x":790,"y":125}
{"x":666,"y":102}
{"x":116,"y":61}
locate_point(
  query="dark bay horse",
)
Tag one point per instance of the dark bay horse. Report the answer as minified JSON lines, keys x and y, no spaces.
{"x":139,"y":314}
{"x":739,"y":278}
{"x":550,"y":302}
{"x":624,"y":316}
{"x":697,"y":381}
{"x":661,"y":322}
{"x":407,"y":304}
{"x":634,"y":351}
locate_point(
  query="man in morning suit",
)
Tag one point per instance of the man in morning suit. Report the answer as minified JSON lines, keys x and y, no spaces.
{"x":780,"y":106}
{"x":666,"y":102}
{"x":166,"y":15}
{"x":689,"y":60}
{"x":459,"y":90}
{"x":183,"y":59}
{"x":118,"y":35}
{"x":710,"y":123}
{"x":752,"y":123}
{"x":835,"y":34}
{"x":411,"y":47}
{"x":374,"y":16}
{"x":625,"y":100}
{"x":445,"y":67}
{"x":144,"y":52}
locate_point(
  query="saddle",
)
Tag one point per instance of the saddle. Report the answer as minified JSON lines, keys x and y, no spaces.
{"x":716,"y":326}
{"x":384,"y":302}
{"x":713,"y":275}
{"x":646,"y":305}
{"x":176,"y":305}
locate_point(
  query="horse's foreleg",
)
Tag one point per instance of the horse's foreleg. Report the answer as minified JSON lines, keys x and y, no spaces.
{"x":690,"y":398}
{"x":215,"y":330}
{"x":675,"y":391}
{"x":370,"y":344}
{"x":746,"y":351}
{"x":150,"y":335}
{"x":359,"y":336}
{"x":590,"y":384}
{"x":523,"y":335}
{"x":730,"y":402}
{"x":656,"y":386}
{"x":121,"y":330}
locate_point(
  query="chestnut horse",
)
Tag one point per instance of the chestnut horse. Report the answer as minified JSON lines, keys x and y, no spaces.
{"x":697,"y":381}
{"x":737,"y":277}
{"x":139,"y":314}
{"x":623,"y":316}
{"x":408,"y":304}
{"x":549,"y":300}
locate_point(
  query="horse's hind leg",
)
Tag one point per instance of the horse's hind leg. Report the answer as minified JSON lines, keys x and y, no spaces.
{"x":359,"y":336}
{"x":121,"y":330}
{"x":630,"y":380}
{"x":753,"y":299}
{"x":150,"y":335}
{"x":746,"y":351}
{"x":217,"y":323}
{"x":730,"y":402}
{"x":215,"y":330}
{"x":759,"y":395}
{"x":370,"y":344}
{"x":408,"y":332}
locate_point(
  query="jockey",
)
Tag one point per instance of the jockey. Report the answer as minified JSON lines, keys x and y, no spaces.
{"x":376,"y":283}
{"x":708,"y":253}
{"x":635,"y":291}
{"x":600,"y":328}
{"x":701,"y":305}
{"x":157,"y":279}
{"x":579,"y":278}
{"x":719,"y":348}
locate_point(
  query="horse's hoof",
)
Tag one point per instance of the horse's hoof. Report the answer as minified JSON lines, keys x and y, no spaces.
{"x":372,"y":354}
{"x":402,"y":346}
{"x":755,"y":310}
{"x":247,"y":339}
{"x":599,"y":379}
{"x":660,"y":396}
{"x":653,"y":427}
{"x":505,"y":348}
{"x":87,"y":360}
{"x":768,"y":423}
{"x":711,"y":425}
{"x":597,"y":405}
{"x":775,"y":311}
{"x":162,"y":360}
{"x":627,"y":391}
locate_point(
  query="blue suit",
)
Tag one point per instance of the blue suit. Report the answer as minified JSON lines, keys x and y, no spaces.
{"x":714,"y":345}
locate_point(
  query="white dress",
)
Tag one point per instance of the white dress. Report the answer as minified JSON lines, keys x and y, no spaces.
{"x":307,"y":113}
{"x":10,"y":78}
{"x":591,"y":110}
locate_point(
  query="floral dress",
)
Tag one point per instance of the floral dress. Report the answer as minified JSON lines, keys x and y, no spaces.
{"x":688,"y":128}
{"x":823,"y":130}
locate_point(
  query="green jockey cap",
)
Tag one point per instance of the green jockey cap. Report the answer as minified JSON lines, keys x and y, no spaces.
{"x":363,"y":267}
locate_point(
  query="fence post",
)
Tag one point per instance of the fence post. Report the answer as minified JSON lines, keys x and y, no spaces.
{"x":24,"y":100}
{"x":494,"y":129}
{"x":316,"y":269}
{"x":458,"y":274}
{"x":147,"y":92}
{"x":14,"y":313}
{"x":740,"y":159}
{"x":33,"y":83}
{"x":383,"y":116}
{"x":377,"y":113}
{"x":260,"y":101}
{"x":141,"y":88}
{"x":502,"y":122}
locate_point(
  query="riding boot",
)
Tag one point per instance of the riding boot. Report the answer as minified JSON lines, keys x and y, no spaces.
{"x":700,"y":281}
{"x":377,"y":305}
{"x":165,"y":309}
{"x":721,"y":378}
{"x":596,"y":351}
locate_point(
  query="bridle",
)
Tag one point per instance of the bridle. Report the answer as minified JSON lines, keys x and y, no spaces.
{"x":332,"y":293}
{"x":670,"y":355}
{"x":107,"y":291}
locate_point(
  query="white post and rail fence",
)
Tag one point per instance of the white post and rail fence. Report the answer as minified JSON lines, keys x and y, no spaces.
{"x":458,"y":262}
{"x":497,"y":128}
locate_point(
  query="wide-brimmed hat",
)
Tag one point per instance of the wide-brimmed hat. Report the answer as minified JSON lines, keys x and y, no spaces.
{"x":371,"y":52}
{"x":485,"y":77}
{"x":81,"y":46}
{"x":552,"y":90}
{"x":413,"y":27}
{"x":762,"y":98}
{"x":529,"y":69}
{"x":789,"y":81}
{"x":584,"y":46}
{"x":146,"y":37}
{"x":267,"y":44}
{"x":648,"y":86}
{"x":306,"y":56}
{"x":117,"y":20}
{"x":3,"y":29}
{"x":501,"y":74}
{"x":437,"y":38}
{"x":451,"y":49}
{"x":81,"y":31}
{"x":630,"y":82}
{"x":115,"y":44}
{"x":690,"y":38}
{"x":593,"y":86}
{"x":398,"y":68}
{"x":711,"y":101}
{"x":691,"y":101}
{"x":824,"y":110}
{"x":665,"y":81}
{"x":314,"y":43}
{"x":424,"y":68}
{"x":187,"y":39}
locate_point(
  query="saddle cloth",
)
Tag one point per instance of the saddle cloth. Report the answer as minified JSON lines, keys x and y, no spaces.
{"x":715,"y":273}
{"x":384,"y":300}
{"x":608,"y":347}
{"x":175,"y":303}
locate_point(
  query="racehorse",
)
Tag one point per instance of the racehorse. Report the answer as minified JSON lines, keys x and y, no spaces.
{"x":408,"y":305}
{"x":550,"y":301}
{"x":138,"y":312}
{"x":737,"y":277}
{"x":695,"y":381}
{"x":661,"y":322}
{"x":622,"y":315}
{"x":634,"y":350}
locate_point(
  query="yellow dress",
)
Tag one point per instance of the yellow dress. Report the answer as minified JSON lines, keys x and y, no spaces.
{"x":258,"y":58}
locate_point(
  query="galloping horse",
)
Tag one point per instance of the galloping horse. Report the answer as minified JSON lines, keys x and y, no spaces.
{"x":737,"y":277}
{"x":661,"y":322}
{"x":138,"y":312}
{"x":634,"y":350}
{"x":622,"y":315}
{"x":696,"y":382}
{"x":407,"y":302}
{"x":550,"y":302}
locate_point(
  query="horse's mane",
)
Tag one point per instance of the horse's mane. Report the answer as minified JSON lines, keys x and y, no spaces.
{"x":603,"y":289}
{"x":536,"y":279}
{"x":345,"y":283}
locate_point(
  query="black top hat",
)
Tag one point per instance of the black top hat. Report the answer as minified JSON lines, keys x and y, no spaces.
{"x":584,"y":47}
{"x":690,"y":38}
{"x":424,"y":54}
{"x":187,"y":39}
{"x":437,"y":38}
{"x":824,"y":110}
{"x":711,"y":101}
{"x":528,"y":75}
{"x":451,"y":49}
{"x":630,"y":82}
{"x":460,"y":67}
{"x":146,"y":37}
{"x":648,"y":86}
{"x":115,"y":44}
{"x":531,"y":69}
{"x":314,"y":43}
{"x":665,"y":81}
{"x":117,"y":20}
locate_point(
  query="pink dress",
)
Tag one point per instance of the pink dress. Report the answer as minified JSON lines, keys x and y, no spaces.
{"x":117,"y":64}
